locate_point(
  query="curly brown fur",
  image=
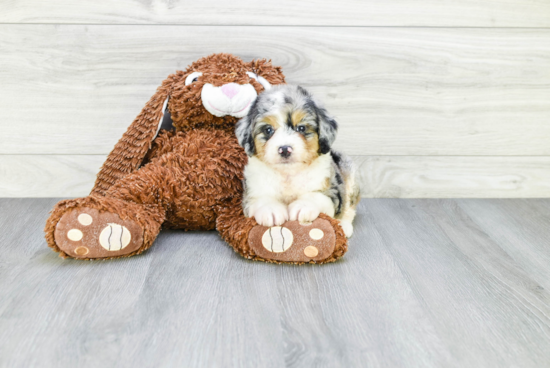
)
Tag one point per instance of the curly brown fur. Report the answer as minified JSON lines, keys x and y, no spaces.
{"x":201,"y":170}
{"x":130,"y":150}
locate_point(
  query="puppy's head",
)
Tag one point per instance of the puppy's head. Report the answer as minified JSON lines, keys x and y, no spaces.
{"x":286,"y":126}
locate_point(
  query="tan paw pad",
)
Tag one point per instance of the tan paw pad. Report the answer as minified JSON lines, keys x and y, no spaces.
{"x":316,"y":234}
{"x":311,"y":251}
{"x":74,"y":234}
{"x":277,"y":239}
{"x":85,"y":219}
{"x":81,"y":251}
{"x":114,"y":237}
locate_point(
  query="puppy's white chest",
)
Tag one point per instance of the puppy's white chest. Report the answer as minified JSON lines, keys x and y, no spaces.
{"x":292,"y":185}
{"x":286,"y":184}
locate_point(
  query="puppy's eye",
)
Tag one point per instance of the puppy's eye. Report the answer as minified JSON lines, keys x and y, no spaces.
{"x":301,"y":128}
{"x":193,"y":77}
{"x":268,"y":130}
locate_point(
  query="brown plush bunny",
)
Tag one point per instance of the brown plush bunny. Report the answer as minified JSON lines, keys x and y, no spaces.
{"x":190,"y":178}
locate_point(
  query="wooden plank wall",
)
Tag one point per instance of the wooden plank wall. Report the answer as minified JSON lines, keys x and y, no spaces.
{"x":434,"y":99}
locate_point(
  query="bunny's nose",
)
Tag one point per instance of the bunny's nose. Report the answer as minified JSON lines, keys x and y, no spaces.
{"x":230,"y":89}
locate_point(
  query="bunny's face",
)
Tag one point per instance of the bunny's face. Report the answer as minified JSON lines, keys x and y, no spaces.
{"x":217,"y":90}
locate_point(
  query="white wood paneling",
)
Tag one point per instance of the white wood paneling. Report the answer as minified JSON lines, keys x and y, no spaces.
{"x":434,"y":98}
{"x":73,"y":89}
{"x":455,"y":13}
{"x":454,"y":177}
{"x":381,"y":176}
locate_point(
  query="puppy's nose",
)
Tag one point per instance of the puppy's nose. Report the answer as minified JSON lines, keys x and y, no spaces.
{"x":230,"y":89}
{"x":285,"y":151}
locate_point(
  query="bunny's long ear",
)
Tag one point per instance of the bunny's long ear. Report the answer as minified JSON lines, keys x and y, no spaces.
{"x":131,"y":149}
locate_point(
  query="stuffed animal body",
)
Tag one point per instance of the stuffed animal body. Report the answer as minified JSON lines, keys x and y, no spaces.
{"x":187,"y":178}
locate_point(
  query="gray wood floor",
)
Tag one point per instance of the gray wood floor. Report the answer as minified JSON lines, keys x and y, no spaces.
{"x":426,"y":283}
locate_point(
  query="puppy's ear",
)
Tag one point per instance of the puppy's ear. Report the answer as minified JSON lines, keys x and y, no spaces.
{"x":244,"y":130}
{"x":327,"y":126}
{"x":265,"y":70}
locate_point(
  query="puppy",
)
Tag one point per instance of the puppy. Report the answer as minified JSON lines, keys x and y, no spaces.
{"x":292,"y":174}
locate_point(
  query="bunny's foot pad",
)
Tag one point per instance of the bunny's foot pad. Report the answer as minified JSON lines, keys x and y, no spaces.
{"x":294,"y":242}
{"x":88,"y":233}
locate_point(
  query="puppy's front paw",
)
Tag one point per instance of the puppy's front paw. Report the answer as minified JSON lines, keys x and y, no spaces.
{"x":303,"y":211}
{"x":271,"y":215}
{"x":347,"y":227}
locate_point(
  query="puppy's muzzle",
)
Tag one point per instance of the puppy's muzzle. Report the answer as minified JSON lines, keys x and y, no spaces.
{"x":285,"y":151}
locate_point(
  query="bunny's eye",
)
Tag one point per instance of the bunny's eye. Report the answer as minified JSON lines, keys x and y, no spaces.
{"x":193,"y":77}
